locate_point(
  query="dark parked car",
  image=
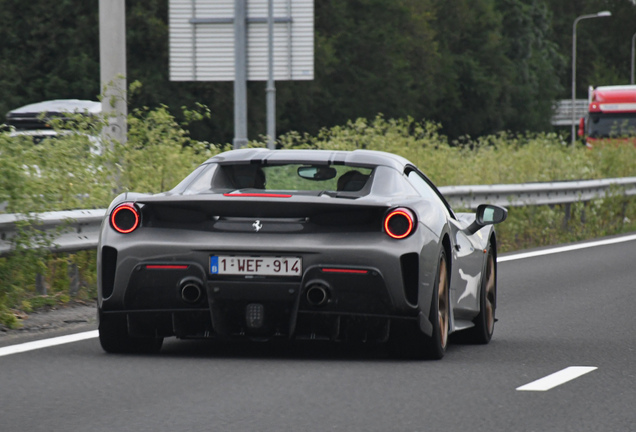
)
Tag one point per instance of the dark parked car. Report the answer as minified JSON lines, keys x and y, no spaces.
{"x":313,"y":244}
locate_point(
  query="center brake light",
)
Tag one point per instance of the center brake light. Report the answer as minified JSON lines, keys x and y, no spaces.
{"x":399,"y":223}
{"x":257,"y":195}
{"x":125,"y":218}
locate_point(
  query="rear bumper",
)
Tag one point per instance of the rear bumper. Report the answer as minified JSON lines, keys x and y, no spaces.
{"x":323,"y":304}
{"x":343,"y":289}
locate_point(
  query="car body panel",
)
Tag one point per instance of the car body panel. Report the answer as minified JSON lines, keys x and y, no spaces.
{"x":366,"y":277}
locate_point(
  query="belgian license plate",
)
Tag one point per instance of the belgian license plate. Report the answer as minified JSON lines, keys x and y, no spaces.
{"x":255,"y":265}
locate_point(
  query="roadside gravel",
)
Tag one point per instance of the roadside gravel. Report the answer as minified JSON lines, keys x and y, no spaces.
{"x":52,"y":320}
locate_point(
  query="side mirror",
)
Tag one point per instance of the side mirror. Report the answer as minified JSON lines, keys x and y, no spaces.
{"x":487,"y":214}
{"x":491,"y":214}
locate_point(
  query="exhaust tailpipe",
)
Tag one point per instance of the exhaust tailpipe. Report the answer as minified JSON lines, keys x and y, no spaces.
{"x":191,"y":291}
{"x":317,"y":294}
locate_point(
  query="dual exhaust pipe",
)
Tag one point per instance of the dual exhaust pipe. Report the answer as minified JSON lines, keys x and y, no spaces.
{"x":317,"y":293}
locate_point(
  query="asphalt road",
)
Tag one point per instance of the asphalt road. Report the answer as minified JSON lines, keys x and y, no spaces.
{"x":556,"y":311}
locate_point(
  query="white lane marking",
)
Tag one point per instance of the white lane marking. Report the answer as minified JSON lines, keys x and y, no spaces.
{"x":557,"y":378}
{"x":567,"y":248}
{"x":45,"y":343}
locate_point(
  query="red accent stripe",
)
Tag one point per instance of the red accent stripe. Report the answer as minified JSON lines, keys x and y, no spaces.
{"x":339,"y":270}
{"x":167,"y":266}
{"x":257,"y":195}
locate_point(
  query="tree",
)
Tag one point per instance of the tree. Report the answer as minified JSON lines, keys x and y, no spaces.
{"x":474,"y":67}
{"x":499,"y":66}
{"x":535,"y":63}
{"x":372,"y":56}
{"x":49,"y":51}
{"x":603,"y":45}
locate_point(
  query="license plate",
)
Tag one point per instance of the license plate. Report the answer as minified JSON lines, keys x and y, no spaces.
{"x":254,"y":265}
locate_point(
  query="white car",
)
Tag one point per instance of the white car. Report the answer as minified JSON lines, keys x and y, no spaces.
{"x":35,"y":115}
{"x":33,"y":120}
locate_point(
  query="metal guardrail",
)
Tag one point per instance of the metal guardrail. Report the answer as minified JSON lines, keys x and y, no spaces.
{"x":80,"y":228}
{"x":528,"y":194}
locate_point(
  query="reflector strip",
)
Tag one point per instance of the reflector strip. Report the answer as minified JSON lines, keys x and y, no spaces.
{"x":339,"y":270}
{"x":167,"y":266}
{"x":257,"y":195}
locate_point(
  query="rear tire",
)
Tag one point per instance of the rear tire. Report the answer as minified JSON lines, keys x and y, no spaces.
{"x":407,"y":339}
{"x":114,"y":338}
{"x":440,"y":312}
{"x":485,"y":320}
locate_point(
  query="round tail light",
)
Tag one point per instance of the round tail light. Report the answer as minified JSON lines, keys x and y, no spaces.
{"x":399,"y":223}
{"x":125,"y":218}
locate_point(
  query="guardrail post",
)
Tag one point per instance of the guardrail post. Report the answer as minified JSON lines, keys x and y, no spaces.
{"x":566,"y":217}
{"x":40,"y":284}
{"x":583,"y":214}
{"x":73,"y":275}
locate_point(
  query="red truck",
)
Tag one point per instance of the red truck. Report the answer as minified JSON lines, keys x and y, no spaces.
{"x":611,"y":114}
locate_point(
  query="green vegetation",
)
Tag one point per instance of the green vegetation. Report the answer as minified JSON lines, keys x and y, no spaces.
{"x":67,"y":173}
{"x":476,"y":67}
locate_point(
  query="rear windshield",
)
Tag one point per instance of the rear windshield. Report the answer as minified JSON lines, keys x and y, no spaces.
{"x":297,"y":177}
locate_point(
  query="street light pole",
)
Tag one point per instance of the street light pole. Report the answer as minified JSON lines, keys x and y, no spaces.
{"x":576,"y":21}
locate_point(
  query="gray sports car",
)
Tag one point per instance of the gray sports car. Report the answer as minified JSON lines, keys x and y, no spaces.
{"x":303,"y":244}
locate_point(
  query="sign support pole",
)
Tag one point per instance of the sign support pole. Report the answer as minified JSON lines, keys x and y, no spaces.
{"x":240,"y":74}
{"x":112,"y":64}
{"x":271,"y":88}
